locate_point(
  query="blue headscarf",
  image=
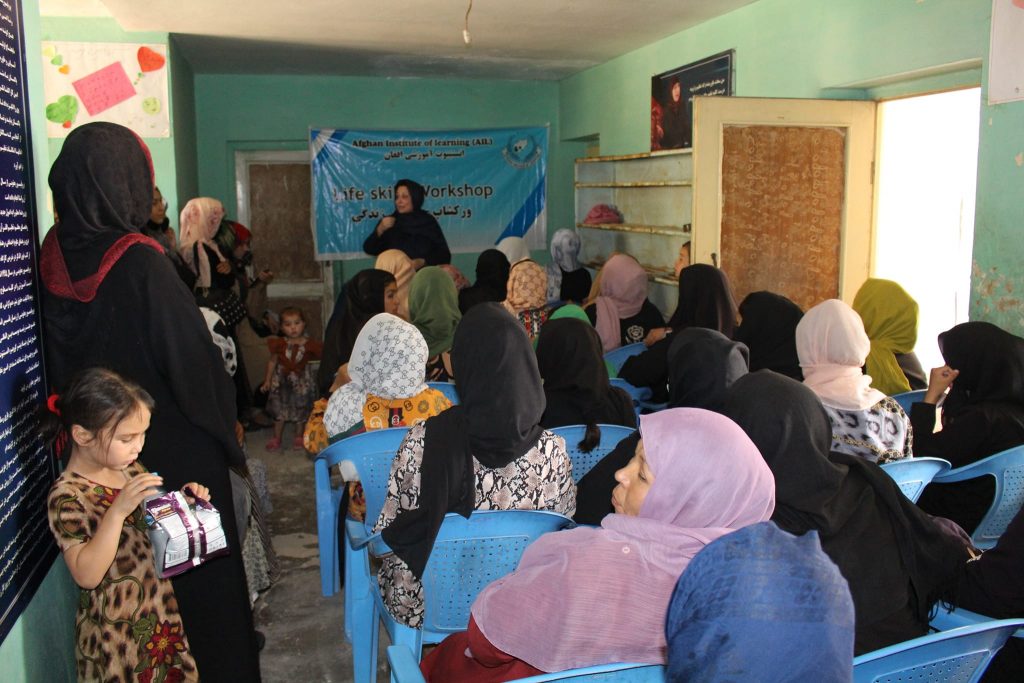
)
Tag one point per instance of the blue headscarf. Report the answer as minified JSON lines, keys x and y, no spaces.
{"x":761,"y":604}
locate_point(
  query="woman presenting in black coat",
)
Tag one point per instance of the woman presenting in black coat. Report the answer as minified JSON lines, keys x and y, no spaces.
{"x":410,"y":229}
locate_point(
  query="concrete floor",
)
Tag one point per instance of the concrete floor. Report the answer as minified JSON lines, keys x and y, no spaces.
{"x":304,"y":630}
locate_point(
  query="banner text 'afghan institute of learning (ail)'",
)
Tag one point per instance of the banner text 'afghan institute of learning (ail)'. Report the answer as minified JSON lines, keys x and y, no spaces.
{"x":481,"y":185}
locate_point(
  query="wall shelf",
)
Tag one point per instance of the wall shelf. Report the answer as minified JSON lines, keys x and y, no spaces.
{"x":641,"y":229}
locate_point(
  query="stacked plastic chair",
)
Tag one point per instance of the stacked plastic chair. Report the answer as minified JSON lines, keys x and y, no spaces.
{"x":448,"y":389}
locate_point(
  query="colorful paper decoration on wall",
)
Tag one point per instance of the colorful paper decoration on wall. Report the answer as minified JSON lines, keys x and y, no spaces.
{"x":121,"y":83}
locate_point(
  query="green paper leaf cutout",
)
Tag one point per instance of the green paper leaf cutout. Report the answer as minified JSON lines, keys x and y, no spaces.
{"x":64,"y":110}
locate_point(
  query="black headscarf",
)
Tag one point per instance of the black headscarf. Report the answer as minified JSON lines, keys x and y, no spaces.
{"x":895,"y":558}
{"x":98,"y":201}
{"x":768,"y":327}
{"x":497,"y":421}
{"x":569,"y":357}
{"x":995,"y":375}
{"x":361,"y":298}
{"x":575,"y":285}
{"x":702,"y":365}
{"x":705,"y":300}
{"x":491,"y":280}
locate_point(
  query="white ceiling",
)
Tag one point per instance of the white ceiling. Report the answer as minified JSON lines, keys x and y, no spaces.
{"x":519,"y":39}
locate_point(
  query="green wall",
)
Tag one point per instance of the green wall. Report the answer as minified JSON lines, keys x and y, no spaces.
{"x":183,"y":134}
{"x":809,"y":48}
{"x":237,"y":113}
{"x":98,"y":30}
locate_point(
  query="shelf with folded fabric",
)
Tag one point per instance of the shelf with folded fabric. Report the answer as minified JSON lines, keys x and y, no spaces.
{"x":656,"y":274}
{"x":637,"y":228}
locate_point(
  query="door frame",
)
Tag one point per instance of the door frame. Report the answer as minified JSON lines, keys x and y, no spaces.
{"x":857,"y":117}
{"x":311,"y":288}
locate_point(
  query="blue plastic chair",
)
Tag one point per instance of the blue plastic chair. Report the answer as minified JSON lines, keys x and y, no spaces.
{"x":1007,"y":468}
{"x":582,"y":462}
{"x":641,"y":396}
{"x":405,"y":669}
{"x":448,"y":389}
{"x":961,"y":654}
{"x":616,"y":357}
{"x":909,"y":398}
{"x":946,"y":620}
{"x":913,"y":474}
{"x":468,"y":555}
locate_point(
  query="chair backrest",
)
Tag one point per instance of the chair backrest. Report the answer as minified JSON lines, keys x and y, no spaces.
{"x":1008,"y":469}
{"x":961,"y":654}
{"x":582,"y":462}
{"x":909,"y":398}
{"x":618,"y":356}
{"x":913,"y":474}
{"x":470,"y":553}
{"x":371,"y":453}
{"x":636,"y":393}
{"x":448,"y":389}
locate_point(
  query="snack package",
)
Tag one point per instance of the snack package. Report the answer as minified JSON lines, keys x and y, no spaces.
{"x":182,"y":535}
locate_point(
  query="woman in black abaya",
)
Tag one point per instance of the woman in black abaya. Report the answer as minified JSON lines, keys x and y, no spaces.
{"x":410,"y":229}
{"x":111,"y":298}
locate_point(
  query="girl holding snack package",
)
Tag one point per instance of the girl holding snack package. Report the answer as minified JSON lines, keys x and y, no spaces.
{"x":128,"y":626}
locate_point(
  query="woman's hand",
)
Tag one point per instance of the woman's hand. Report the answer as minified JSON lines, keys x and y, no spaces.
{"x":656,"y":335}
{"x":239,"y":433}
{"x":192,"y":490}
{"x":138,"y":487}
{"x":939,"y":380}
{"x":385,"y":224}
{"x":224,"y":267}
{"x":418,"y":263}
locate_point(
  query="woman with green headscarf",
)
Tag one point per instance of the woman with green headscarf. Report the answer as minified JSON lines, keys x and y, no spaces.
{"x":890,"y":319}
{"x":434,"y":310}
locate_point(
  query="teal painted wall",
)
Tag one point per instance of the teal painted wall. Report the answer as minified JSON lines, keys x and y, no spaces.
{"x":809,"y":48}
{"x":236,"y":113}
{"x":183,"y":113}
{"x":97,"y":30}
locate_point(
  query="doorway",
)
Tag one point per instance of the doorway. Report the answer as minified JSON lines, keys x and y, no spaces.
{"x":924,"y":223}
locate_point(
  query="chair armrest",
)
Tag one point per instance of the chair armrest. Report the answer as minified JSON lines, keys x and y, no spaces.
{"x":357,"y":537}
{"x":971,"y":471}
{"x":404,"y":668}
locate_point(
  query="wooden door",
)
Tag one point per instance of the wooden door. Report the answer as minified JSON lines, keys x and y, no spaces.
{"x":783,"y":194}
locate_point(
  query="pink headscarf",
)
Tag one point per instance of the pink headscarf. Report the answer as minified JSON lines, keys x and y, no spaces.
{"x":593,"y":596}
{"x":832,"y":346}
{"x":200,"y":220}
{"x":622,"y":295}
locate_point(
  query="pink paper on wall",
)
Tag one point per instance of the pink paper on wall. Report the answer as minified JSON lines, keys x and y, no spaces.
{"x":104,"y":88}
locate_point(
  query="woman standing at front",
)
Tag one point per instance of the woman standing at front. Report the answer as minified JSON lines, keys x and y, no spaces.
{"x":410,"y":229}
{"x":102,"y":278}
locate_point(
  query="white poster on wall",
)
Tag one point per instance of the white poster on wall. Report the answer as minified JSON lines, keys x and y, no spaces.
{"x":1006,"y":52}
{"x":117,"y":82}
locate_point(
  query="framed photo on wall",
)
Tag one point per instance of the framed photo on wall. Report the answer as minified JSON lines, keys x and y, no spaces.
{"x":672,"y":94}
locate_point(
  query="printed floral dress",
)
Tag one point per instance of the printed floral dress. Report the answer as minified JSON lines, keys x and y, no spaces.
{"x":293,"y":385}
{"x":539,"y":480}
{"x":128,"y":628}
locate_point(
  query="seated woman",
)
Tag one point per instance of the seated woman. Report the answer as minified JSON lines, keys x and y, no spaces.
{"x":982,"y":415}
{"x":620,"y":310}
{"x":768,"y":327}
{"x":385,"y":389}
{"x":705,"y":300}
{"x":576,"y":386}
{"x":525,"y":296}
{"x":398,"y":264}
{"x":368,"y":293}
{"x":514,"y":249}
{"x":491,"y":280}
{"x":894,"y":556}
{"x":703,"y":364}
{"x":890,"y":319}
{"x":832,"y":345}
{"x":568,"y":280}
{"x":599,"y":595}
{"x":434,"y":310}
{"x":488,"y":453}
{"x":410,"y":229}
{"x":760,"y":604}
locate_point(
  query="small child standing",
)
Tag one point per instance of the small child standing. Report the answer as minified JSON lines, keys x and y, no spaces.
{"x":290,"y":383}
{"x":128,"y":626}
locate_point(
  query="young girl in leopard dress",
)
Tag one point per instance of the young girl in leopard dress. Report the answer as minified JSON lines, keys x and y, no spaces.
{"x":128,"y":627}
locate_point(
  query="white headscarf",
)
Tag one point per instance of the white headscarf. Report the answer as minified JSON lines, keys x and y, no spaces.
{"x":514,"y":249}
{"x":832,"y":346}
{"x":388,"y":361}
